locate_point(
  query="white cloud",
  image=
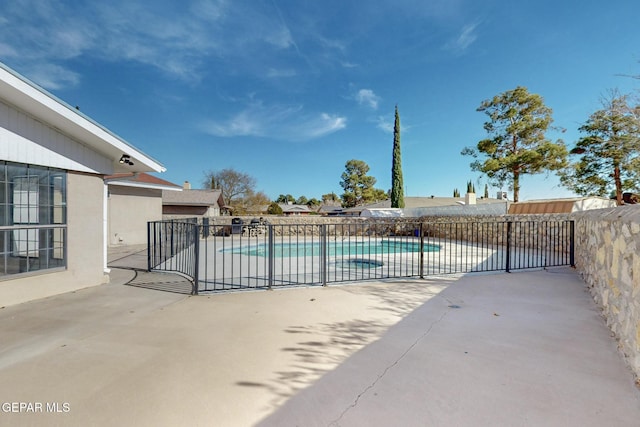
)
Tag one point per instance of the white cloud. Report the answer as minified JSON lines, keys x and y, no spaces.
{"x":278,"y":73}
{"x":209,"y":10}
{"x":384,"y":125}
{"x":276,"y":121}
{"x":367,"y":97}
{"x":463,"y":40}
{"x":320,"y":125}
{"x":280,"y":38}
{"x":174,"y":39}
{"x":7,"y":51}
{"x":53,"y":77}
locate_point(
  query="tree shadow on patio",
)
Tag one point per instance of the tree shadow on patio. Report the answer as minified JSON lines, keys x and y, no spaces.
{"x":329,"y":345}
{"x":324,"y":346}
{"x":134,"y":258}
{"x":401,"y":297}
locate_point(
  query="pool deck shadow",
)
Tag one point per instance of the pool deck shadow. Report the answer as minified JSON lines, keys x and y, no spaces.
{"x":128,"y":265}
{"x":526,"y":348}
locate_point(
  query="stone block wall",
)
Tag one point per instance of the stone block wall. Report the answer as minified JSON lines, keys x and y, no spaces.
{"x":607,"y":244}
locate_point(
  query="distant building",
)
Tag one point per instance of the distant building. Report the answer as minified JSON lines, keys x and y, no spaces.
{"x":569,"y":205}
{"x":330,"y":210}
{"x":294,"y":210}
{"x":382,"y":213}
{"x":416,"y":207}
{"x":190,"y":203}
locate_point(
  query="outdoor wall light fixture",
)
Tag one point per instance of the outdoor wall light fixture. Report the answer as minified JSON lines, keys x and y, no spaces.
{"x":126,"y":159}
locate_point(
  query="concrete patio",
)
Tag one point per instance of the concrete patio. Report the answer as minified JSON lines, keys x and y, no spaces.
{"x":526,"y":348}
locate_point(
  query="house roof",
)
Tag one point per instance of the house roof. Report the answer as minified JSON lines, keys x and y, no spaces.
{"x":458,"y":210}
{"x":325,"y":209}
{"x":425,"y":202}
{"x":193,"y":198}
{"x":382,"y":213}
{"x":141,"y":180}
{"x":37,"y":102}
{"x":560,"y":205}
{"x":286,"y":208}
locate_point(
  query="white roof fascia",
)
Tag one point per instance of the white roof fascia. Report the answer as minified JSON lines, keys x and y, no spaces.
{"x":46,"y":108}
{"x":122,"y":183}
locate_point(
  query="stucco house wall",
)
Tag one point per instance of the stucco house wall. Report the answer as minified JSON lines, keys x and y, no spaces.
{"x":142,"y":204}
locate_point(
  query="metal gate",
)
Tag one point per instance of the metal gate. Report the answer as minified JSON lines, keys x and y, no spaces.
{"x":174,"y":246}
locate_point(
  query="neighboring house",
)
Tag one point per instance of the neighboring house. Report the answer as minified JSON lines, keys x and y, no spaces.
{"x":382,"y":213}
{"x":561,"y":205}
{"x":53,"y":198}
{"x":190,"y":203}
{"x":134,"y":199}
{"x":294,"y":210}
{"x":436,"y":206}
{"x":330,"y":210}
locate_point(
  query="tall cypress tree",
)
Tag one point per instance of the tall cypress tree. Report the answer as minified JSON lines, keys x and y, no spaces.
{"x":397,"y":184}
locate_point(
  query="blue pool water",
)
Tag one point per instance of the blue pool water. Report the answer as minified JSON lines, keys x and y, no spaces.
{"x":286,"y":250}
{"x":359,"y":263}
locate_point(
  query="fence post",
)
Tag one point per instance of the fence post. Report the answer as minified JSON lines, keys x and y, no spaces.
{"x":149,"y":245}
{"x":323,"y":254}
{"x":421,"y":252}
{"x":196,"y":256}
{"x":271,"y":255}
{"x":205,"y":227}
{"x":158,"y":243}
{"x":572,"y":249}
{"x":172,"y":253}
{"x":508,"y":258}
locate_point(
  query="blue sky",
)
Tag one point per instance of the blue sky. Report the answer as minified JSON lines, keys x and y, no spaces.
{"x":289,"y":91}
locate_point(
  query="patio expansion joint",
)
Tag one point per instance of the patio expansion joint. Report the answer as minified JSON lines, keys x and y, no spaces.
{"x":336,"y":422}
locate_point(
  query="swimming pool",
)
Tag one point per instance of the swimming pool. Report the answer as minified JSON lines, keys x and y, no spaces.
{"x":358,"y":263}
{"x":302,"y":249}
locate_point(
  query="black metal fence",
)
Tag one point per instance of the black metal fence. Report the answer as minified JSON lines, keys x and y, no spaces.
{"x":174,"y":246}
{"x":219,"y":257}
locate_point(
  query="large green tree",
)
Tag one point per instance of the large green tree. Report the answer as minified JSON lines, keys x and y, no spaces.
{"x":331,"y":199}
{"x":274,"y":209}
{"x":288,"y":198}
{"x":516,"y":143}
{"x":397,"y":184}
{"x":313,"y":202}
{"x":607,"y":159}
{"x":358,"y":186}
